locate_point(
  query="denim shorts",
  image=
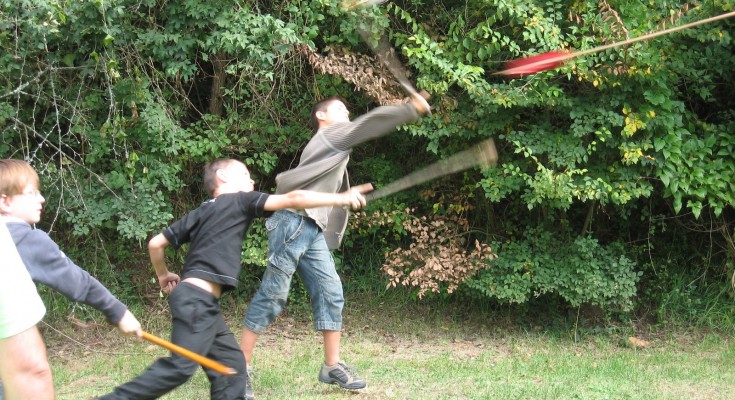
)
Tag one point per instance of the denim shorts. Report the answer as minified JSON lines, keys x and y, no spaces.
{"x":296,"y":244}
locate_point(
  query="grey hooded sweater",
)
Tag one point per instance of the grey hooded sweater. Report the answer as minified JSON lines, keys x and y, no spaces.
{"x":48,"y":265}
{"x":323,"y":164}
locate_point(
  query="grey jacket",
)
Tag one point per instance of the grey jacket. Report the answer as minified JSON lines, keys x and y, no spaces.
{"x":323,"y":164}
{"x":48,"y":265}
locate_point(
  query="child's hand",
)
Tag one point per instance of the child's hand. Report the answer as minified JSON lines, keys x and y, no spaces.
{"x":420,"y":104}
{"x":168,"y":281}
{"x":129,"y":325}
{"x":354,"y":197}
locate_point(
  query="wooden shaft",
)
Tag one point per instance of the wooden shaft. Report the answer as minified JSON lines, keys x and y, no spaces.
{"x":652,"y":35}
{"x":385,"y":54}
{"x":482,"y":154}
{"x":203,"y":361}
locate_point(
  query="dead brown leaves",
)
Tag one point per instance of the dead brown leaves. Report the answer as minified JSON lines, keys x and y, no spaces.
{"x":437,"y":257}
{"x":365,"y":72}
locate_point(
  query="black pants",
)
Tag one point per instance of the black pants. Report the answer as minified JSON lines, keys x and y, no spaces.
{"x":198,"y":326}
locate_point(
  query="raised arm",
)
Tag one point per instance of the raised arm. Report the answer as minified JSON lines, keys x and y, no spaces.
{"x":376,"y":123}
{"x":301,"y":199}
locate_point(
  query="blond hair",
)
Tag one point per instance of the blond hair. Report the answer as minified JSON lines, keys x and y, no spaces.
{"x":15,"y":175}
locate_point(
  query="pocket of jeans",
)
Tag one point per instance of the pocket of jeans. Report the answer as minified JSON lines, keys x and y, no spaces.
{"x":271,"y":223}
{"x":284,"y":229}
{"x":294,"y":230}
{"x":185,"y":309}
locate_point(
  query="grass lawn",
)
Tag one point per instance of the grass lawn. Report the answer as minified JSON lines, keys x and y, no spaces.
{"x":420,"y":351}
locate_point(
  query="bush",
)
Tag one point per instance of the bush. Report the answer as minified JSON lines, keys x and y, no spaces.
{"x":580,"y":270}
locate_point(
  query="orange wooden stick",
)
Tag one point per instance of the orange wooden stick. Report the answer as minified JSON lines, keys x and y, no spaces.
{"x":203,"y":361}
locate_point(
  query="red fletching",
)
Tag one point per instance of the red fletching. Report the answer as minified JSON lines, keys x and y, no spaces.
{"x":533,"y":64}
{"x":555,"y":59}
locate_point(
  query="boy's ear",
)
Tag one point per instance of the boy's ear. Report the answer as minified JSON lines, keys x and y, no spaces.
{"x":4,"y":204}
{"x":320,"y":115}
{"x":221,"y":175}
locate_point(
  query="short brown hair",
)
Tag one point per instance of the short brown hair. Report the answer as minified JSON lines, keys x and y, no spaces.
{"x":321,"y":106}
{"x":210,"y":173}
{"x":15,"y":175}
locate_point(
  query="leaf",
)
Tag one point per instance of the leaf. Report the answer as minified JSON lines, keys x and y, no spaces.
{"x":638,"y":343}
{"x":665,"y":178}
{"x":654,"y":97}
{"x":677,"y":202}
{"x":69,"y":59}
{"x":696,"y":208}
{"x":658,"y":143}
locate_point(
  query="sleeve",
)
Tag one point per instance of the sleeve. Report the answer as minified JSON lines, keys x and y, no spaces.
{"x":48,"y":265}
{"x":179,"y":233}
{"x":374,"y":124}
{"x":253,"y":204}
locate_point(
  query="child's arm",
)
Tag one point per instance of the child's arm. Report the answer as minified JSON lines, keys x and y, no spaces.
{"x":48,"y":265}
{"x":301,"y":199}
{"x":156,"y":249}
{"x":376,"y":123}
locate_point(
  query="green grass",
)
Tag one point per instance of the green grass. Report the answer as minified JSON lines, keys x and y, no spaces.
{"x":420,"y":351}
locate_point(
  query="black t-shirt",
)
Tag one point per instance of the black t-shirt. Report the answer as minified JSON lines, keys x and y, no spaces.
{"x":216,"y":230}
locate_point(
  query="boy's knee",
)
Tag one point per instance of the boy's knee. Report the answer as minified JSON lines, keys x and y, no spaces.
{"x":40,"y":369}
{"x":276,"y":287}
{"x":180,"y":376}
{"x":276,"y":295}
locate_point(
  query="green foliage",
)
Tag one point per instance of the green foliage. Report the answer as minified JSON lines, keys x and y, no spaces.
{"x":135,"y":214}
{"x":254,"y":260}
{"x":699,"y":168}
{"x":118,"y":105}
{"x":581,"y":271}
{"x":689,"y":300}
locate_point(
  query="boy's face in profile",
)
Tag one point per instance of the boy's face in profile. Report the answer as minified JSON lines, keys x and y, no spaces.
{"x":238,"y":176}
{"x":26,"y":206}
{"x":335,"y":112}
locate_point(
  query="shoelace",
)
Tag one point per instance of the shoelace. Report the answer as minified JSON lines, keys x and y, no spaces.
{"x":350,"y":370}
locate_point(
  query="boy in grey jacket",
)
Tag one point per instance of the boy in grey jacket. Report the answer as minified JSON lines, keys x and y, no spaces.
{"x":299,"y":240}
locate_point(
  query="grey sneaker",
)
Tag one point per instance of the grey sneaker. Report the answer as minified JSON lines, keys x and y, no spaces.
{"x":249,"y":395}
{"x":342,"y":375}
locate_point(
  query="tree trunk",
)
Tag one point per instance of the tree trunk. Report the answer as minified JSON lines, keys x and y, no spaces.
{"x":218,"y":82}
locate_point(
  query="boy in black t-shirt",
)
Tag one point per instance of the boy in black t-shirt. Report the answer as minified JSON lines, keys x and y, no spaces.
{"x":215,"y":231}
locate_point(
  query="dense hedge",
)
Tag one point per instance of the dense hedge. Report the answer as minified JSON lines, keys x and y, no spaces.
{"x":612,"y":168}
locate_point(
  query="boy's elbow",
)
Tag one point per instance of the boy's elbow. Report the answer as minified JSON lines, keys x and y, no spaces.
{"x":295,"y":199}
{"x":157,"y":243}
